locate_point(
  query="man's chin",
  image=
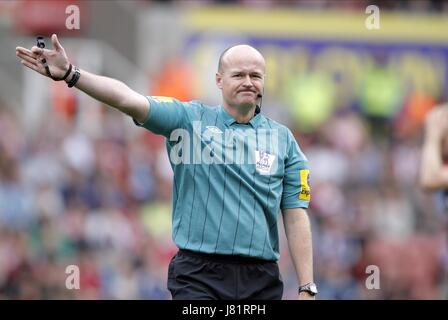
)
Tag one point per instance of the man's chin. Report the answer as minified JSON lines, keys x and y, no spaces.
{"x":245,"y":105}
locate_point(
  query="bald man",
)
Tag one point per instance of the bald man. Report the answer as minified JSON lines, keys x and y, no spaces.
{"x":234,"y":169}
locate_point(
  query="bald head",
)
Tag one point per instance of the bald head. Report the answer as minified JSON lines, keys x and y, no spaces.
{"x":237,"y":52}
{"x":240,"y":77}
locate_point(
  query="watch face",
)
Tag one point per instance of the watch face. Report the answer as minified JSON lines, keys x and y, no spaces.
{"x":311,"y":288}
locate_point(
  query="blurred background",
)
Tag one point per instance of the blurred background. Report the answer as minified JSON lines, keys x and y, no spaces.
{"x":81,"y":184}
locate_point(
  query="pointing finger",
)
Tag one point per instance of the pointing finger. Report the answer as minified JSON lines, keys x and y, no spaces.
{"x":30,"y":65}
{"x":29,"y":60}
{"x":20,"y":52}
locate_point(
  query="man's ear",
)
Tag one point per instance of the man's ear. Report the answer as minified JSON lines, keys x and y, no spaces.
{"x":218,"y":78}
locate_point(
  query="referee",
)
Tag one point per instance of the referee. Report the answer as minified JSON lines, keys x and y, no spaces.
{"x":233,"y":170}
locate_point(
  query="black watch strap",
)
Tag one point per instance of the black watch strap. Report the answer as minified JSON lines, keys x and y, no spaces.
{"x":75,"y":78}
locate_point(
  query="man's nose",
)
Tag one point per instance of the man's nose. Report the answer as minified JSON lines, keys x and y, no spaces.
{"x":248,"y":81}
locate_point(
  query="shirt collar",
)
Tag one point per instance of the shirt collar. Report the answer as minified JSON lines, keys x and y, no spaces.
{"x":229,"y":120}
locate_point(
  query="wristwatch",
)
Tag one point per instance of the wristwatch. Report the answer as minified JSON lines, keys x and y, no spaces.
{"x":311,"y":288}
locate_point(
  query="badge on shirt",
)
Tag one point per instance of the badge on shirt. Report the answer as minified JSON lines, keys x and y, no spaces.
{"x":263,"y":161}
{"x":163,"y":98}
{"x":305,"y":192}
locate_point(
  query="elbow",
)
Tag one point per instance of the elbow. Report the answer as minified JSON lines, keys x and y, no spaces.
{"x":124,"y":104}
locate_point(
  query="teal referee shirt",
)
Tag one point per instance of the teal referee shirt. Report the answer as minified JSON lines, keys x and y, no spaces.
{"x":230,"y":179}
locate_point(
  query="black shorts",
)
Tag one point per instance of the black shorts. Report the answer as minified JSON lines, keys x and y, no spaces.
{"x":199,"y":276}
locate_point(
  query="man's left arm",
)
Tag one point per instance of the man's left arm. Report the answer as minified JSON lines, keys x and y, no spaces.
{"x":295,"y":199}
{"x":298,"y":233}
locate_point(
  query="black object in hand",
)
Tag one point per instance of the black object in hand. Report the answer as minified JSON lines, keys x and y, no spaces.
{"x":40,"y":42}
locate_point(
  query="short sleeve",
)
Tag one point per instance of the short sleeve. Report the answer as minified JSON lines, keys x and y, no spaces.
{"x":296,"y":186}
{"x":165,"y":115}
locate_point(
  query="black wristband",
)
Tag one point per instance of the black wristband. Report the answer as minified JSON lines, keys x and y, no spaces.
{"x":67,"y":73}
{"x":47,"y":69}
{"x":75,"y":78}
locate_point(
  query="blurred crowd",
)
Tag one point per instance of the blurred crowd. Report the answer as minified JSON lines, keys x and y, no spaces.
{"x":368,"y":210}
{"x":102,"y":203}
{"x":101,"y":200}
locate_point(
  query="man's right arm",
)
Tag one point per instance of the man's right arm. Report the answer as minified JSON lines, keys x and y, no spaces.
{"x":115,"y":94}
{"x":107,"y":90}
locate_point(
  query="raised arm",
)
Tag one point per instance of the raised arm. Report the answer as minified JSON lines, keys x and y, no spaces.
{"x":433,"y":172}
{"x":107,"y":90}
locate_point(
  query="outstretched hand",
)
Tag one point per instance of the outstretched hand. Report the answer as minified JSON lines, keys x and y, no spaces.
{"x":56,"y":59}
